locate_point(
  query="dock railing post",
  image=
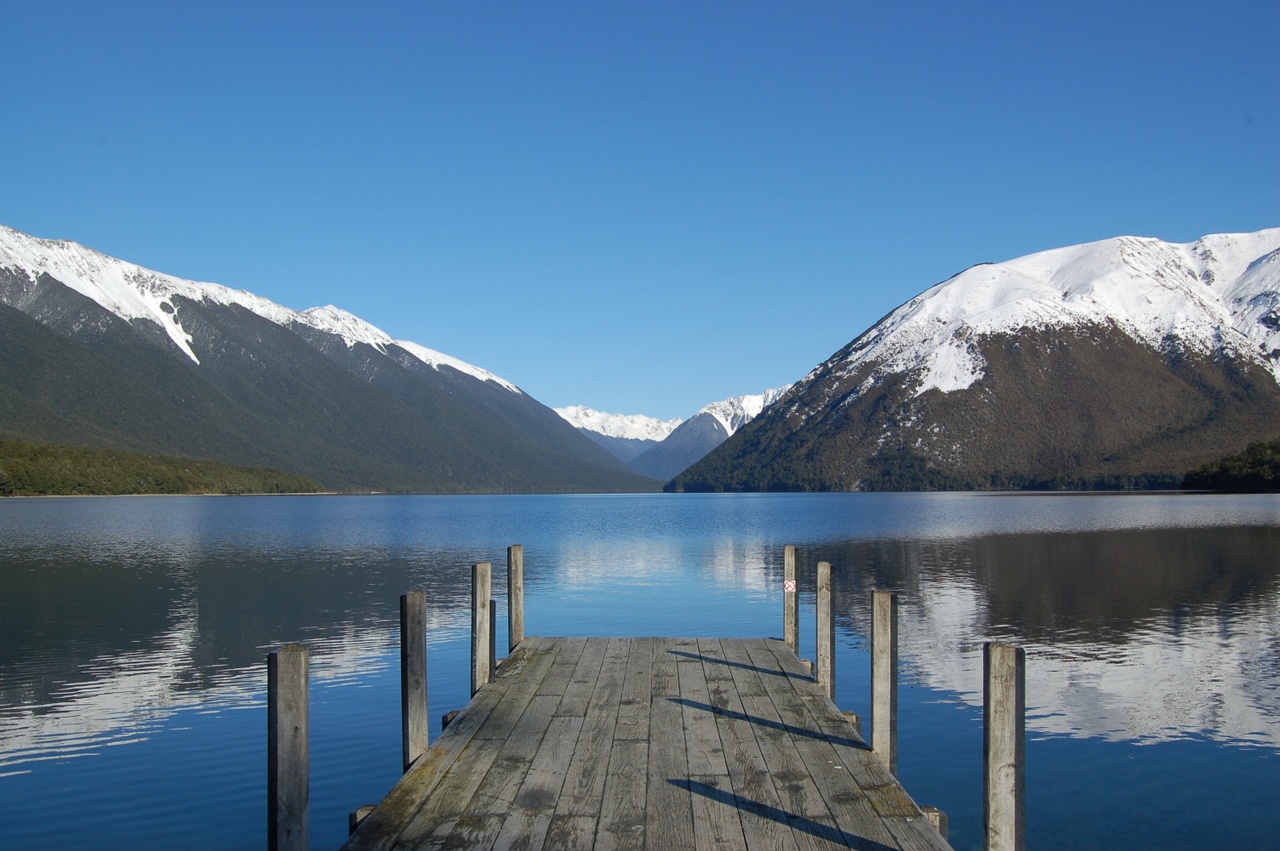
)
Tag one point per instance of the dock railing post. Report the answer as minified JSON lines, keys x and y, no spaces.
{"x":884,"y":678}
{"x":493,"y":639}
{"x":826,"y":632}
{"x":1004,"y":709}
{"x":413,"y":675}
{"x":515,"y":596}
{"x":288,"y":757}
{"x":481,"y":584}
{"x":790,"y":600}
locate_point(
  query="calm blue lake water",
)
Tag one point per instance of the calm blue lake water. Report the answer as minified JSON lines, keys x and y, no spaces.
{"x":133,"y":633}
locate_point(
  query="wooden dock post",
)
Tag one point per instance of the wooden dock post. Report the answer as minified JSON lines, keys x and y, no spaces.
{"x":826,"y":632}
{"x":790,"y":600}
{"x":493,"y":639}
{"x":288,"y":757}
{"x":413,"y":675}
{"x":884,"y":678}
{"x":515,"y":596}
{"x":1004,"y":709}
{"x":481,"y":584}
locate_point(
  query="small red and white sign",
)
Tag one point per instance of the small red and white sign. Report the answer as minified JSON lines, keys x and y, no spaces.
{"x":789,"y":586}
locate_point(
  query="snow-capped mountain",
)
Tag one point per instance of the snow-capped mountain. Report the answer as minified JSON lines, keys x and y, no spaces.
{"x":627,"y":426}
{"x":704,"y":431}
{"x":132,"y":292}
{"x":102,"y":352}
{"x":1120,"y":361}
{"x":625,"y":435}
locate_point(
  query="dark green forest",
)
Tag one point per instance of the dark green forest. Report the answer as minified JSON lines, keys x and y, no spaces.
{"x":36,"y":469}
{"x":1257,"y":468}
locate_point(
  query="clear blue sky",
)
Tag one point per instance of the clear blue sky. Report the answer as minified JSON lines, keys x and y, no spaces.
{"x":640,"y":207}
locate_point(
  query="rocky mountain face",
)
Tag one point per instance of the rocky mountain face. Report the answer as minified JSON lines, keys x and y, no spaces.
{"x":1119,"y":363}
{"x":98,"y":352}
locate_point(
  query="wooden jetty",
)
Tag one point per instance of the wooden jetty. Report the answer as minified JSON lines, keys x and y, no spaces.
{"x":643,"y":743}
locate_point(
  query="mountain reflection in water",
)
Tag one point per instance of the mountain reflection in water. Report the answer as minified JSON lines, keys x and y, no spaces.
{"x":1146,"y":619}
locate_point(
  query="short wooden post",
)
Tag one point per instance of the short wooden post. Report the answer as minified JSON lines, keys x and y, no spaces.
{"x":413,"y":675}
{"x":884,"y":678}
{"x":493,"y":639}
{"x":288,"y":757}
{"x":1004,"y":709}
{"x":515,"y":596}
{"x":938,"y":819}
{"x":480,"y":587}
{"x":790,"y":600}
{"x":826,"y":633}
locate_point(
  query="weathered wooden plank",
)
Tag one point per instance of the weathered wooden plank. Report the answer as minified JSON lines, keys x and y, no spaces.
{"x":582,"y":683}
{"x":624,"y":805}
{"x":670,"y":815}
{"x":717,"y":821}
{"x":557,"y":680}
{"x":667,"y":652}
{"x":702,"y":739}
{"x":585,"y":776}
{"x":566,"y":831}
{"x":747,"y":677}
{"x":637,"y":691}
{"x":530,"y":816}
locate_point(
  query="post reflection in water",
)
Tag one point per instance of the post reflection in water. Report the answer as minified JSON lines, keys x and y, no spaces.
{"x":133,"y":631}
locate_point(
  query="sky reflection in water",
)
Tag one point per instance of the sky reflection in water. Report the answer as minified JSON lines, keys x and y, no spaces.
{"x":130,"y":629}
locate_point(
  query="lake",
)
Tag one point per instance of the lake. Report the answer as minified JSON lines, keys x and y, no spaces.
{"x":133,"y":633}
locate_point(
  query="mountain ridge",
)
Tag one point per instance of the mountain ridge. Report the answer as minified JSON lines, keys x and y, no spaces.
{"x":237,"y":378}
{"x":1126,"y":360}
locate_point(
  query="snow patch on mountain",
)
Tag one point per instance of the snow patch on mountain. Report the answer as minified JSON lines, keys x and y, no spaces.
{"x":1218,"y":293}
{"x":133,"y":292}
{"x":352,"y":329}
{"x":625,"y":426}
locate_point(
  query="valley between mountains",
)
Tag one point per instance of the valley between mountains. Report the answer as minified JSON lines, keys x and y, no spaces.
{"x":1121,"y":363}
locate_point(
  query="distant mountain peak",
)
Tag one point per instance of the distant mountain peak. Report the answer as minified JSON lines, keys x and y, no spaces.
{"x":737,"y":411}
{"x":625,"y":426}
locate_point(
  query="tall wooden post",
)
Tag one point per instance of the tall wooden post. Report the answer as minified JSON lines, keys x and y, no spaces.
{"x":413,"y":675}
{"x":826,"y":633}
{"x":790,"y":600}
{"x":481,"y":584}
{"x":288,"y":757}
{"x":515,"y":596}
{"x":1004,"y":710}
{"x":884,"y":678}
{"x":493,"y":639}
